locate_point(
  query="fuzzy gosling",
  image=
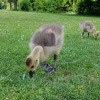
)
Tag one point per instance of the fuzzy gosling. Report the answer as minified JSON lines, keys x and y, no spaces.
{"x":87,"y":26}
{"x":47,"y":40}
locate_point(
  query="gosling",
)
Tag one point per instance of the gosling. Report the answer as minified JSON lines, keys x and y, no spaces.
{"x":87,"y":26}
{"x":47,"y":40}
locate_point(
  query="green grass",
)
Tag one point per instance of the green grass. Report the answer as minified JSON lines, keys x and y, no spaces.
{"x":78,"y":64}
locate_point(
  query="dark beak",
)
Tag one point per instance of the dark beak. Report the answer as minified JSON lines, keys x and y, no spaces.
{"x":31,"y":74}
{"x":95,"y":38}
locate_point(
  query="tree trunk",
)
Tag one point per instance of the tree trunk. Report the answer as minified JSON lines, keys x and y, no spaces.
{"x":15,"y":5}
{"x":10,"y":5}
{"x":74,"y":2}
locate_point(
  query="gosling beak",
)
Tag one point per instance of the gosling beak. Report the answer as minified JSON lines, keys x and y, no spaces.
{"x":31,"y":74}
{"x":95,"y":38}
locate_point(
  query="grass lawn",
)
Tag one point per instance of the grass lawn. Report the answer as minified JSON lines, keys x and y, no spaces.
{"x":78,"y":63}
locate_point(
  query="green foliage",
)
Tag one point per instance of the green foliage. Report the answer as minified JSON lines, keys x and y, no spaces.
{"x":97,"y":8}
{"x":25,"y":5}
{"x":10,"y":1}
{"x":3,"y":4}
{"x":48,"y":5}
{"x":88,"y":7}
{"x":0,"y":5}
{"x":64,"y":3}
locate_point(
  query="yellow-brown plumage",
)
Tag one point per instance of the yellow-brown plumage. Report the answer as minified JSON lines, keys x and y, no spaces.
{"x":47,"y":40}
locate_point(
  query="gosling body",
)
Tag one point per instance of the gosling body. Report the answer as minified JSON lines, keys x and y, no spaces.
{"x":87,"y":26}
{"x":47,"y":40}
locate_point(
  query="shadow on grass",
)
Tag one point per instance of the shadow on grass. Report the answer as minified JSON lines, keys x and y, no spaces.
{"x":78,"y":15}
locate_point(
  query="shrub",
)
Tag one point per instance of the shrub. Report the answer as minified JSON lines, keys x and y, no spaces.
{"x":0,"y":5}
{"x":48,"y":5}
{"x":97,"y":7}
{"x":25,"y":5}
{"x":84,"y":7}
{"x":88,"y":7}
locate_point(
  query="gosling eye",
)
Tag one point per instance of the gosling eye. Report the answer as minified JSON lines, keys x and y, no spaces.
{"x":32,"y":66}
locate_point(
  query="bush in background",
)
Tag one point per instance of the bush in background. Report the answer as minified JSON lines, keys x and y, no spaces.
{"x":48,"y":5}
{"x":97,"y":8}
{"x":89,"y":7}
{"x":25,"y":5}
{"x":0,"y":5}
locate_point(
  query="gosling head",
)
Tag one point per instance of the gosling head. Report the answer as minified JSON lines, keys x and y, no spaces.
{"x":95,"y":35}
{"x":31,"y":65}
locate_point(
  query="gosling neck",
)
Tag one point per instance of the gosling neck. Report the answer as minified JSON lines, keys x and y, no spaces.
{"x":36,"y":52}
{"x":93,"y":30}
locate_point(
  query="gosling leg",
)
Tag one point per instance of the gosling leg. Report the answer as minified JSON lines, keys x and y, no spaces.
{"x":88,"y":34}
{"x":82,"y":35}
{"x":53,"y":69}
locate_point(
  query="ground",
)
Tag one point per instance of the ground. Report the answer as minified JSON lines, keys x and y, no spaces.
{"x":78,"y":63}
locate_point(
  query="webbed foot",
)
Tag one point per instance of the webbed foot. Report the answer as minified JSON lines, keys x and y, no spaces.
{"x":50,"y":70}
{"x":46,"y":66}
{"x":82,"y":37}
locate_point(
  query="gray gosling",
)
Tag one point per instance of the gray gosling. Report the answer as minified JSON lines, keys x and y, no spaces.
{"x":47,"y":40}
{"x":87,"y":26}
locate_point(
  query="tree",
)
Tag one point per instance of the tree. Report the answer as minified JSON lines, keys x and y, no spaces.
{"x":10,"y":4}
{"x":0,"y":4}
{"x":3,"y":4}
{"x":32,"y":3}
{"x":15,"y":4}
